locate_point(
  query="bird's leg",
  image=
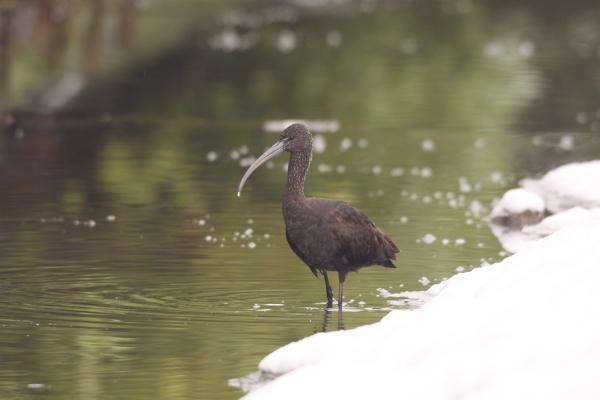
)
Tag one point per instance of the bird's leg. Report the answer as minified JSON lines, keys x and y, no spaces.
{"x":328,"y":290}
{"x":326,"y":319}
{"x":342,"y":278}
{"x":341,"y":321}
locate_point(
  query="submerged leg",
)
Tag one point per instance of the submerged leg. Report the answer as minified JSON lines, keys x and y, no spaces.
{"x":342,"y":278}
{"x":328,"y":290}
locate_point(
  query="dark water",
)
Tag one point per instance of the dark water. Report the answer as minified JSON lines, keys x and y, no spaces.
{"x":128,"y":267}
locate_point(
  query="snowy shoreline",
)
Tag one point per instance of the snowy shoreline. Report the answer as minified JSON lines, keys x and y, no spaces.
{"x":522,"y":328}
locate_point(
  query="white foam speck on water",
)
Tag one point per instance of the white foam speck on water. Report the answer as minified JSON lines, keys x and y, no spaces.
{"x":477,"y":209}
{"x":111,"y":218}
{"x":460,"y":241}
{"x":395,"y":172}
{"x":464,"y":185}
{"x":340,"y":169}
{"x":319,"y":143}
{"x":494,"y":49}
{"x":243,"y":149}
{"x":425,"y":172}
{"x":409,"y":46}
{"x":445,"y":241}
{"x":424,"y":281}
{"x":212,"y":156}
{"x":382,"y":292}
{"x":36,"y":386}
{"x":323,"y":168}
{"x":333,"y":38}
{"x":581,"y":117}
{"x":208,"y":238}
{"x":526,"y":49}
{"x":428,"y":145}
{"x":247,"y":161}
{"x":403,"y":219}
{"x":234,"y":154}
{"x":345,"y":144}
{"x":362,"y":143}
{"x":251,"y":245}
{"x":376,"y":169}
{"x":567,"y":142}
{"x":286,"y":41}
{"x":460,"y":269}
{"x":497,"y":177}
{"x":230,"y":40}
{"x":428,"y":238}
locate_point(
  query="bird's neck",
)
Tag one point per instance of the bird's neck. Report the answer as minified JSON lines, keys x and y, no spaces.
{"x":297,"y":169}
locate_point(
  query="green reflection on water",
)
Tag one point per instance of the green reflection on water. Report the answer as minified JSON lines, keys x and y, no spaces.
{"x":124,"y":260}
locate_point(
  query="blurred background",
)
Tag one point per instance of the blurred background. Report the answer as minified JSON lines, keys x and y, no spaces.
{"x":128,"y":267}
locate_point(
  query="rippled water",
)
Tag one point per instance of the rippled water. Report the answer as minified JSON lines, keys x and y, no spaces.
{"x":129,"y":268}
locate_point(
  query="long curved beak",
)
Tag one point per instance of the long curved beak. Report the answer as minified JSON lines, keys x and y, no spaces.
{"x":271,"y":152}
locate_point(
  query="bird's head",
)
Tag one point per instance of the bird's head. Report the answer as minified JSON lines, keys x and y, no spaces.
{"x":296,"y":138}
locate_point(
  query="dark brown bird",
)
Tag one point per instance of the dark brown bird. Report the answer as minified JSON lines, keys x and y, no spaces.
{"x":327,"y":235}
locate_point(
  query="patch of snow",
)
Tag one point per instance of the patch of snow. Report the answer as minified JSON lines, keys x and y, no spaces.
{"x":518,"y":201}
{"x":570,"y":185}
{"x":517,"y":240}
{"x":502,"y":331}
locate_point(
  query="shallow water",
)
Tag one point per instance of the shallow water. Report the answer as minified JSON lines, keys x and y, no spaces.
{"x":130,"y":269}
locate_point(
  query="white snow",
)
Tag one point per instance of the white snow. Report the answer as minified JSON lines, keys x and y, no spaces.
{"x":524,"y":328}
{"x":515,"y":240}
{"x":518,"y":201}
{"x":571,"y":192}
{"x":575,"y":184}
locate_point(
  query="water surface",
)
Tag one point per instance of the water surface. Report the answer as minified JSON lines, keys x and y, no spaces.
{"x":129,"y":268}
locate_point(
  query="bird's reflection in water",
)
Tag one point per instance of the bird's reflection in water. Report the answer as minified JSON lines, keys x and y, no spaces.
{"x":327,"y":312}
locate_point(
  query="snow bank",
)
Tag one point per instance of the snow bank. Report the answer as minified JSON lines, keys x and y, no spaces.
{"x":571,"y":185}
{"x":517,"y":201}
{"x":571,"y":191}
{"x":524,"y":328}
{"x":518,"y":207}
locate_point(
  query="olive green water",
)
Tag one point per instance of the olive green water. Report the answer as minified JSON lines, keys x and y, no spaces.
{"x":129,"y":269}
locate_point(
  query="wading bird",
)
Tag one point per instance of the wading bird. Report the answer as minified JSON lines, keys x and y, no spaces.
{"x":327,"y":235}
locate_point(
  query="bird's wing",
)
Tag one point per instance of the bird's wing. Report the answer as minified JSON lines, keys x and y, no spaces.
{"x":361,"y":243}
